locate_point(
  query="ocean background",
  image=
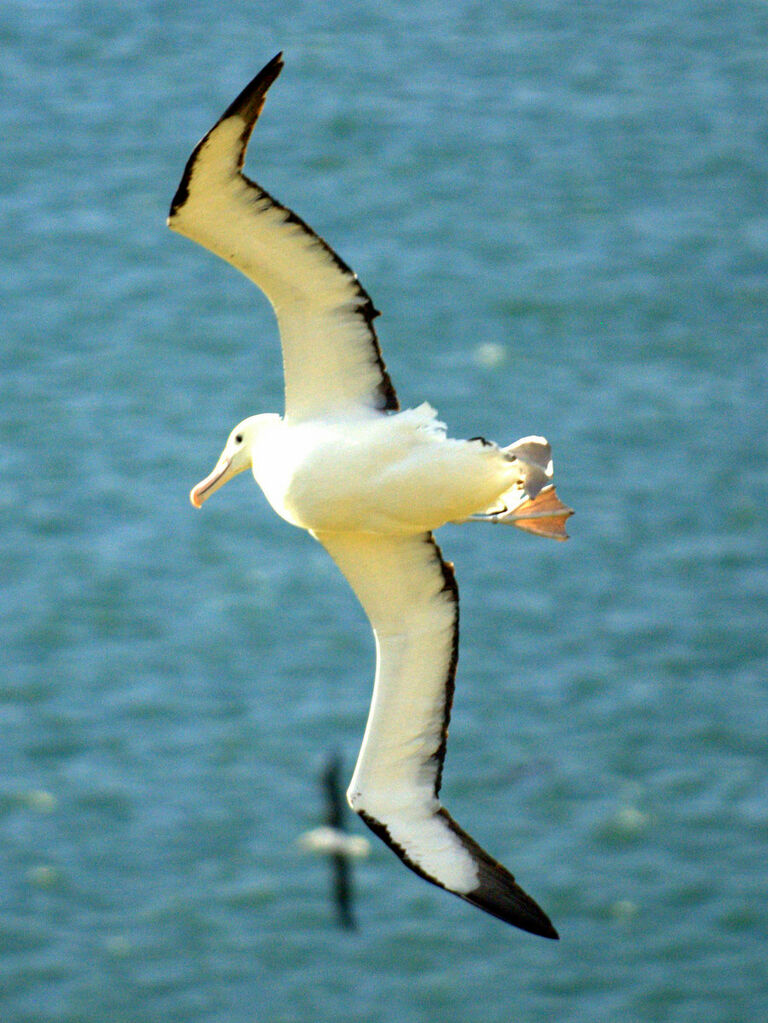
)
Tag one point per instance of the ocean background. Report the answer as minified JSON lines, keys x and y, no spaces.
{"x":562,"y":210}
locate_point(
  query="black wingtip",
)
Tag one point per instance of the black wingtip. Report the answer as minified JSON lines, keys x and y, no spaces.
{"x":248,"y":104}
{"x":500,"y":895}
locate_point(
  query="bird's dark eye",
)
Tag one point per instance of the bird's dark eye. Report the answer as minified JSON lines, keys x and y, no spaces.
{"x":239,"y":438}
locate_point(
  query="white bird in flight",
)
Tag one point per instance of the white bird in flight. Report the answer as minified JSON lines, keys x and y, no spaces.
{"x":370,"y":483}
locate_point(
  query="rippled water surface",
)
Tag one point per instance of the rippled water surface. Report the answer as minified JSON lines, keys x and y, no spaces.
{"x":561,"y":210}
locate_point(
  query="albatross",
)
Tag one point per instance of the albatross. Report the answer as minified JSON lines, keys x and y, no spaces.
{"x":332,"y":840}
{"x":370,"y":482}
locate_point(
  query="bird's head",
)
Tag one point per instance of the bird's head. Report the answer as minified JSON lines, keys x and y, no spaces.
{"x":236,"y":457}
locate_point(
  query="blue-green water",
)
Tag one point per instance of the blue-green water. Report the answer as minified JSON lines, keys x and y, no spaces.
{"x":562,"y":210}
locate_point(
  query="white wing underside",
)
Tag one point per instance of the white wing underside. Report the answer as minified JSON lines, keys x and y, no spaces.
{"x":410,"y":596}
{"x":331,"y":355}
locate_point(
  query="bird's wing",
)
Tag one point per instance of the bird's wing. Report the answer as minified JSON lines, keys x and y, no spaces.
{"x":410,"y":596}
{"x":334,"y":799}
{"x":342,"y":890}
{"x":331,"y":355}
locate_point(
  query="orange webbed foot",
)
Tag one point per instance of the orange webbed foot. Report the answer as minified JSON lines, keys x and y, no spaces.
{"x":543,"y":515}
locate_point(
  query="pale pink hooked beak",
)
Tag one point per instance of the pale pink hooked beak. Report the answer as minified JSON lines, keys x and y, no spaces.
{"x":216,"y":479}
